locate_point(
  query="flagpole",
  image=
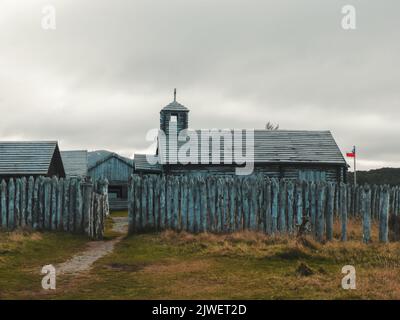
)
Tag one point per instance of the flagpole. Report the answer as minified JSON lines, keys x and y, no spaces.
{"x":355,"y":167}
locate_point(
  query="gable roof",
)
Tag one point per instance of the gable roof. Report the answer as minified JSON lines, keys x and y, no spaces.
{"x":285,"y":146}
{"x":26,"y":157}
{"x":175,"y":106}
{"x":75,"y":162}
{"x":95,"y":158}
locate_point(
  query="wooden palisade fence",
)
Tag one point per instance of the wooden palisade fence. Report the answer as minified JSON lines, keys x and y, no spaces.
{"x":227,"y":204}
{"x":44,"y":203}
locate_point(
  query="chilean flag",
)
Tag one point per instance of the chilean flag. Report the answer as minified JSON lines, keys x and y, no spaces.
{"x":351,"y":154}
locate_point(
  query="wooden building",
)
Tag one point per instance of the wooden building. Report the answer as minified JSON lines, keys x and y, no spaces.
{"x":75,"y":163}
{"x":291,"y":154}
{"x":30,"y":158}
{"x":117,"y":170}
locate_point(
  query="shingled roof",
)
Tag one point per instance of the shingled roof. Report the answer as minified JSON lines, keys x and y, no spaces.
{"x":288,"y":146}
{"x":23,"y":158}
{"x":75,"y":162}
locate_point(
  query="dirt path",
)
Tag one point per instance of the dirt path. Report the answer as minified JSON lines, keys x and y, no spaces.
{"x":95,"y":250}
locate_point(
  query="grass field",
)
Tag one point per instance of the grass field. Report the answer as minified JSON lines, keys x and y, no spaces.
{"x":171,"y":265}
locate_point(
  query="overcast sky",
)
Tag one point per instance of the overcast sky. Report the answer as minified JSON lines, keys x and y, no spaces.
{"x":100,"y":79}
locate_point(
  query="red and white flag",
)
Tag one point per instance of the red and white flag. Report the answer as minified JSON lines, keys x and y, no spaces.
{"x":351,"y":154}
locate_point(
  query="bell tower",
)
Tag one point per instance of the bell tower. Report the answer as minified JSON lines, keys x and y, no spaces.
{"x":174,"y":114}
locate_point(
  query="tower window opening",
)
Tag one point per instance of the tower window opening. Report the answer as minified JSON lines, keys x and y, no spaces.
{"x":174,"y":118}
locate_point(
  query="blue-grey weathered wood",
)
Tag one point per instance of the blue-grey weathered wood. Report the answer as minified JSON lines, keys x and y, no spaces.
{"x":275,"y":196}
{"x":17,"y":202}
{"x":163,"y":208}
{"x":60,"y":198}
{"x":290,"y":204}
{"x":175,"y":208}
{"x":23,"y":202}
{"x":47,"y":202}
{"x":384,"y":216}
{"x":78,"y":207}
{"x":191,"y":210}
{"x":299,"y":203}
{"x":30,"y":202}
{"x":184,"y":203}
{"x":156,"y":200}
{"x":197,"y":209}
{"x":330,"y":210}
{"x":168,"y":199}
{"x":282,"y":207}
{"x":11,"y":204}
{"x":225,"y":205}
{"x":366,"y":214}
{"x":66,"y":190}
{"x":150,"y":192}
{"x":313,"y":206}
{"x":3,"y":202}
{"x":232,"y":205}
{"x":53,"y":212}
{"x":267,"y":206}
{"x":343,"y":211}
{"x":203,"y":206}
{"x":320,"y":213}
{"x":72,"y":205}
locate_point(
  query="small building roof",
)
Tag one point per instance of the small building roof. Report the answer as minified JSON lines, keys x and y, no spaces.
{"x":75,"y":162}
{"x":175,"y":106}
{"x":97,"y":157}
{"x":141,"y":164}
{"x":23,"y":158}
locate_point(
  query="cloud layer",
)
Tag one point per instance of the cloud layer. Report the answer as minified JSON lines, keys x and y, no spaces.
{"x":99,"y":80}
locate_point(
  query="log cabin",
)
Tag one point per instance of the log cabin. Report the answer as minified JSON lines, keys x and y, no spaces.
{"x":30,"y":158}
{"x":288,"y":154}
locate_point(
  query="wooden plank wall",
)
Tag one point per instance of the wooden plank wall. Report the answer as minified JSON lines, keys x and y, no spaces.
{"x":44,"y":203}
{"x":256,"y":202}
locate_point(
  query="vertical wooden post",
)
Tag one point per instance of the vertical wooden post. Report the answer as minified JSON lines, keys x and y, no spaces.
{"x":203,"y":205}
{"x":191,"y":198}
{"x":162,"y":202}
{"x":72,"y":204}
{"x":330,"y":211}
{"x":384,"y":216}
{"x":290,"y":203}
{"x":11,"y":204}
{"x":299,"y":203}
{"x":282,"y":206}
{"x":17,"y":202}
{"x":184,"y":204}
{"x":3,"y":203}
{"x":246,"y":207}
{"x":87,"y":190}
{"x":343,"y":210}
{"x":23,"y":201}
{"x":268,"y":206}
{"x":313,"y":206}
{"x":65,"y":221}
{"x":168,"y":198}
{"x":150,"y":209}
{"x":252,"y":191}
{"x":47,"y":203}
{"x":157,"y":217}
{"x":232,"y":204}
{"x":53,"y":210}
{"x":79,"y":206}
{"x":30,"y":202}
{"x":175,"y":195}
{"x":320,"y":215}
{"x":365,"y":211}
{"x":211,"y":203}
{"x":225,"y":204}
{"x":144,"y":195}
{"x":275,"y":196}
